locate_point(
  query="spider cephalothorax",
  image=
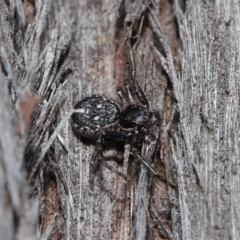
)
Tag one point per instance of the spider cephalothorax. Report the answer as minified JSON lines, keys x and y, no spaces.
{"x":134,"y":116}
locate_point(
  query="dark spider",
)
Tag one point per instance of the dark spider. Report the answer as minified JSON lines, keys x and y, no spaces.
{"x":101,"y":118}
{"x":138,"y":127}
{"x":98,"y":117}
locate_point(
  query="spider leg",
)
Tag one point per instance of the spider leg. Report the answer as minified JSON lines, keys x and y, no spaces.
{"x":113,"y":169}
{"x":122,"y":95}
{"x":136,"y":90}
{"x":154,"y":125}
{"x":128,"y":84}
{"x":148,"y":166}
{"x":94,"y":163}
{"x":137,"y":36}
{"x":124,"y":182}
{"x":150,"y":141}
{"x":98,"y":157}
{"x":151,"y":170}
{"x":149,"y":144}
{"x":151,"y":135}
{"x":131,"y":84}
{"x":115,"y":135}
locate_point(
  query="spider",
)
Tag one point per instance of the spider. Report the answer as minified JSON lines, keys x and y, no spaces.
{"x":135,"y":124}
{"x":101,"y":118}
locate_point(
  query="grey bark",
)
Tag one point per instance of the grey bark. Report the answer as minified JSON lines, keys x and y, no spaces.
{"x":53,"y":54}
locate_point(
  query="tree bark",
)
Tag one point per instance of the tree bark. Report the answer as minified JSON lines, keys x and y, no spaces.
{"x":53,"y":54}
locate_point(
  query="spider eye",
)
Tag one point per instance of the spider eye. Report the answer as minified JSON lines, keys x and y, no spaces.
{"x":132,"y":116}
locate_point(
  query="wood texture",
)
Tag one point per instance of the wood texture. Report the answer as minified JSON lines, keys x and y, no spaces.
{"x":54,"y":53}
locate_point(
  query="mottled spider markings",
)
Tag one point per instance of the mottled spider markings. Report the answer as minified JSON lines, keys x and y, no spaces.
{"x":94,"y":114}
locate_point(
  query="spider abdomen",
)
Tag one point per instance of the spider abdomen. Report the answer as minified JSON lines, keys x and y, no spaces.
{"x":94,"y":113}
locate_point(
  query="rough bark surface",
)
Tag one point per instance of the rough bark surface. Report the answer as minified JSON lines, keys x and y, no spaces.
{"x":54,"y":53}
